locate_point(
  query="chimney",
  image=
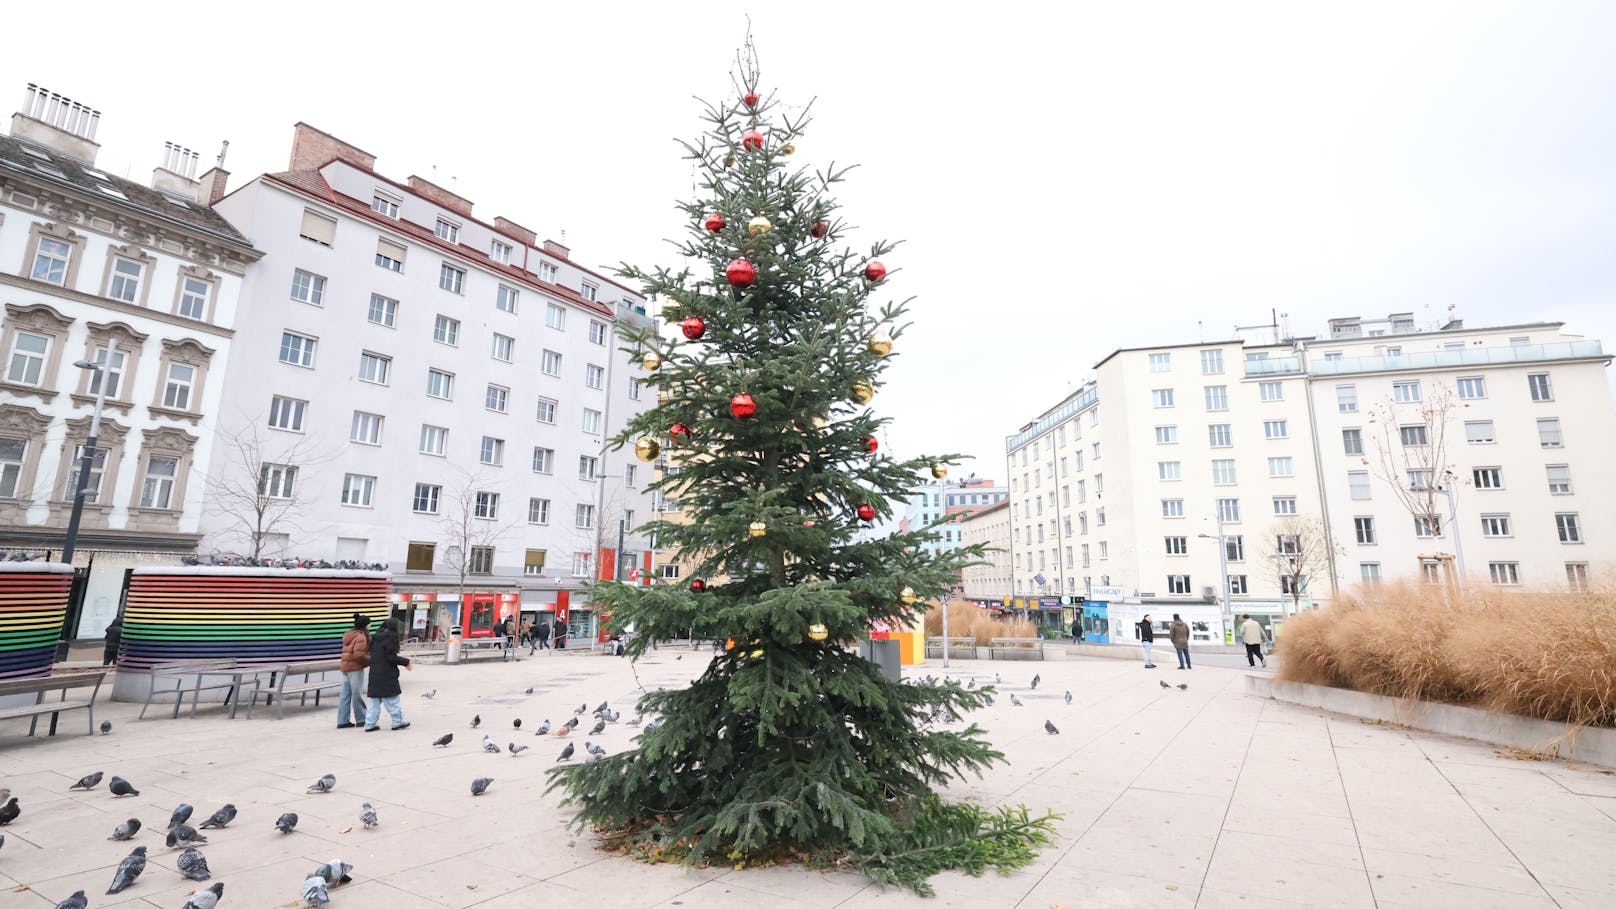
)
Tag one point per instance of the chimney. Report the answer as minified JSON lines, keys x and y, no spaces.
{"x":176,"y":175}
{"x":313,"y":148}
{"x":211,"y":188}
{"x":516,"y":230}
{"x":460,"y":205}
{"x":557,"y":250}
{"x":57,"y":122}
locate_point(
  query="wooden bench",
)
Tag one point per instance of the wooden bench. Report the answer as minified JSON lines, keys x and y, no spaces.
{"x":1017,"y":649}
{"x":41,"y":687}
{"x":182,"y":671}
{"x":934,"y":647}
{"x":305,"y":684}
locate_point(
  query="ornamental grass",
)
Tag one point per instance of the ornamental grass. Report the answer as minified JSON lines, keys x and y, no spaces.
{"x":967,"y":620}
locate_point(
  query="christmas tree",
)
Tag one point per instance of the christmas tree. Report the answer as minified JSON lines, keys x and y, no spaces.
{"x":790,"y":746}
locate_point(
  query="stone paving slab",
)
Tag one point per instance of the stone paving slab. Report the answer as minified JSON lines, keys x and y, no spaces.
{"x":1201,"y":798}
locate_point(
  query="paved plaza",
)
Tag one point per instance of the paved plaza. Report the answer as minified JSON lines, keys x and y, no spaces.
{"x":1206,"y":797}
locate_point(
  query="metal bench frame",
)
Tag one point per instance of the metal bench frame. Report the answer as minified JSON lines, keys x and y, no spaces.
{"x":1034,"y":647}
{"x":177,"y":671}
{"x":40,"y":706}
{"x":302,"y":689}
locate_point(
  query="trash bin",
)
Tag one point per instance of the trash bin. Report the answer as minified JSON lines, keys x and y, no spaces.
{"x":885,"y":655}
{"x":452,"y":654}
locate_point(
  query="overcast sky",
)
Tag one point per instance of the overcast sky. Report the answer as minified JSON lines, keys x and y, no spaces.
{"x":1067,"y":179}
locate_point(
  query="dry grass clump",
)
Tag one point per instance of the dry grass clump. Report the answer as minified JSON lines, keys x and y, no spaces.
{"x":967,"y":620}
{"x":1545,"y":655}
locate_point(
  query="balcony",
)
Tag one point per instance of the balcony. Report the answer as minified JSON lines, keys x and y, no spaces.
{"x":1452,"y":359}
{"x":634,"y":316}
{"x":1273,"y":366}
{"x":1079,"y":402}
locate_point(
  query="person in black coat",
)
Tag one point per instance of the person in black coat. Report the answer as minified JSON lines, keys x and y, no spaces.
{"x":384,"y":688}
{"x":109,"y":655}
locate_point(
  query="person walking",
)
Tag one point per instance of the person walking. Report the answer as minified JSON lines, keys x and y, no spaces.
{"x":384,"y":689}
{"x":1180,"y":633}
{"x":1251,"y":633}
{"x":543,"y":632}
{"x":109,"y":652}
{"x":355,"y":658}
{"x":1147,"y":639}
{"x":527,"y":633}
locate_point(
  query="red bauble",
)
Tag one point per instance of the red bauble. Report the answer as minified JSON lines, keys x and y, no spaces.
{"x":742,"y":406}
{"x":752,"y":140}
{"x":693,"y":327}
{"x":819,"y":230}
{"x":697,"y":585}
{"x":866,"y":513}
{"x":870,"y":444}
{"x":751,"y":99}
{"x":741,"y":274}
{"x":875,"y":271}
{"x":680,"y":432}
{"x":714,"y":222}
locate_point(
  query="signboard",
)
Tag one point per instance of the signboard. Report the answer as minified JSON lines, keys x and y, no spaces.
{"x":1109,"y":594}
{"x":1049,"y":602}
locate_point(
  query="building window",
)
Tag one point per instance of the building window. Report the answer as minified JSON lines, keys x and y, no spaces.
{"x":98,"y":470}
{"x":308,"y":288}
{"x":634,"y":395}
{"x":1223,"y":472}
{"x":502,"y":348}
{"x":546,"y":411}
{"x":1427,"y":526}
{"x":439,"y":384}
{"x":550,"y":363}
{"x":125,"y":283}
{"x":506,"y":299}
{"x":1178,"y":583}
{"x":1168,"y":470}
{"x":486,"y":505}
{"x":366,"y":428}
{"x":358,"y":489}
{"x":177,"y":387}
{"x":1568,"y":527}
{"x":389,"y":255}
{"x":1504,"y":573}
{"x":286,"y":413}
{"x":500,"y":252}
{"x":446,"y":331}
{"x":1287,"y":544}
{"x":451,"y":279}
{"x":1346,"y":398}
{"x":1487,"y":477}
{"x":1211,"y":362}
{"x":533,"y":562}
{"x":591,"y":421}
{"x":157,"y":491}
{"x":580,"y":564}
{"x":194,"y":296}
{"x":594,"y":376}
{"x":1548,"y":433}
{"x":419,"y":556}
{"x":588,"y":467}
{"x":28,"y":356}
{"x":384,"y":206}
{"x":1220,"y":435}
{"x":1290,"y":585}
{"x":1281,"y":467}
{"x":670,"y":571}
{"x":1495,"y":525}
{"x":555,"y":317}
{"x":1177,"y":546}
{"x":1167,"y":435}
{"x":1559,"y":479}
{"x":1405,"y":392}
{"x":1369,"y":572}
{"x":50,"y":261}
{"x":583,"y":517}
{"x":1538,"y":382}
{"x":491,"y":451}
{"x":277,"y":481}
{"x":383,"y":310}
{"x":297,"y":349}
{"x":1365,"y":529}
{"x":496,"y":398}
{"x":1284,"y":505}
{"x":1479,"y":431}
{"x":1276,"y":429}
{"x":629,"y":473}
{"x":549,"y":271}
{"x":447,"y":231}
{"x":1271,"y":391}
{"x":1238,"y":586}
{"x":1472,"y":388}
{"x":113,"y":372}
{"x":597,"y":332}
{"x":1352,"y":441}
{"x":434,"y":440}
{"x":1358,"y":485}
{"x":482,"y":560}
{"x":588,"y":291}
{"x":1099,"y":519}
{"x":374,"y":367}
{"x":426,"y":498}
{"x":538,"y":511}
{"x":1161,"y":362}
{"x":1161,"y":397}
{"x":1414,"y":436}
{"x":1172,"y":508}
{"x":1577,"y":576}
{"x":543,"y":460}
{"x":1229,"y":511}
{"x":1217,"y":397}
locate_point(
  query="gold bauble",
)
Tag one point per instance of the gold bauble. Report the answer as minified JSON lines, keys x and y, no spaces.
{"x":757,"y":529}
{"x":755,"y":654}
{"x":647,"y":448}
{"x":759,"y":226}
{"x":817,"y":632}
{"x":729,"y":160}
{"x":862,"y":392}
{"x":907,"y":595}
{"x":652,"y":361}
{"x":787,"y":149}
{"x":880,"y":344}
{"x":939,"y":470}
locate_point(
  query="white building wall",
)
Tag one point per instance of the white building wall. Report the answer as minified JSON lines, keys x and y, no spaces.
{"x":991,"y":528}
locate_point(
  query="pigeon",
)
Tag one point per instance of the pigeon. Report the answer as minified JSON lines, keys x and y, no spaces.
{"x":126,"y":830}
{"x":530,"y":689}
{"x":325,"y":783}
{"x":996,"y":679}
{"x":76,"y":901}
{"x":205,"y":899}
{"x":516,"y":749}
{"x":516,"y":723}
{"x":443,"y":740}
{"x":566,"y":754}
{"x":565,"y":729}
{"x":649,"y":726}
{"x":1036,"y":678}
{"x":334,"y":872}
{"x":367,"y":816}
{"x":429,"y":695}
{"x":971,"y":683}
{"x":592,"y":748}
{"x":180,"y":815}
{"x":87,"y":783}
{"x":1015,"y":701}
{"x":476,"y":721}
{"x":480,"y":785}
{"x":1068,"y":697}
{"x":2,"y":841}
{"x":490,"y":746}
{"x":183,"y":835}
{"x":544,"y":728}
{"x":582,"y":708}
{"x":594,"y":756}
{"x":221,"y":818}
{"x":1183,"y":686}
{"x":5,"y":795}
{"x":572,"y":723}
{"x":9,"y":812}
{"x":106,"y":727}
{"x":314,"y":893}
{"x":634,"y":722}
{"x":678,"y":658}
{"x":128,"y":869}
{"x":120,"y":787}
{"x":286,"y":822}
{"x":1163,"y":684}
{"x":1050,"y":728}
{"x":600,"y":726}
{"x":601,"y":708}
{"x":611,"y":716}
{"x":194,"y":865}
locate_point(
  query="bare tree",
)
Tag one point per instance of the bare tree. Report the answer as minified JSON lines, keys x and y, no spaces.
{"x":471,"y":515}
{"x":260,"y":488}
{"x":1301,"y":549}
{"x":1411,"y":452}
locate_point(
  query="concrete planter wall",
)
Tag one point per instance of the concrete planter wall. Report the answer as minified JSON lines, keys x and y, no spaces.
{"x":33,"y":606}
{"x":1589,"y":744}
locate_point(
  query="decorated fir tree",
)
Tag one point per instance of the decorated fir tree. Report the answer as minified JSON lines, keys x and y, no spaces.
{"x":789,"y":745}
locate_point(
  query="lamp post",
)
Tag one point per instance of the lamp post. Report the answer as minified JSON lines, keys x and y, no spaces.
{"x":100,"y":370}
{"x":1223,"y":572}
{"x":1453,"y":521}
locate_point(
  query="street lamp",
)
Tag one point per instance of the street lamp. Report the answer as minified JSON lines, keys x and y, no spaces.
{"x":101,"y":370}
{"x":1223,"y":571}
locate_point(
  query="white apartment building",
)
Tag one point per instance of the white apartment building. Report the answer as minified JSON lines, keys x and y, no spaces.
{"x":143,"y":280}
{"x":1209,"y":453}
{"x":420,"y":387}
{"x":988,"y":583}
{"x":936,"y":499}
